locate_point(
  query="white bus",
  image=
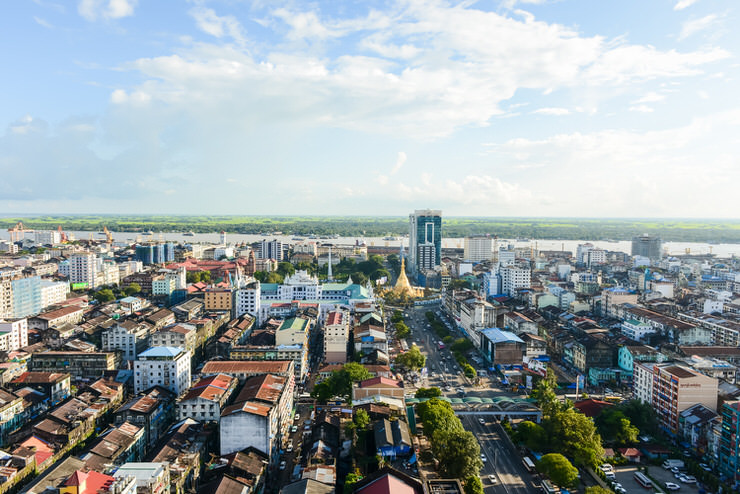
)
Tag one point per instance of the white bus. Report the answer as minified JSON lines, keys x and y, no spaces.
{"x":642,"y":479}
{"x":528,"y":464}
{"x":548,"y":488}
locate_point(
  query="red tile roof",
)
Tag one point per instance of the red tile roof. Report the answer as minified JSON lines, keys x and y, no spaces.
{"x":387,"y":484}
{"x":591,"y":407}
{"x":383,"y":381}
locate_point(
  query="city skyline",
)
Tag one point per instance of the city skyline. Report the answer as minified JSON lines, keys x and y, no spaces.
{"x":503,"y":109}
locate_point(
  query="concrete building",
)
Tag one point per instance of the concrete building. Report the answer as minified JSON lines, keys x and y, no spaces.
{"x":180,"y":335}
{"x":16,"y":331}
{"x":53,"y":292}
{"x":218,"y":299}
{"x":478,"y":248}
{"x":502,"y":347}
{"x":168,"y":367}
{"x":336,"y":337}
{"x":82,"y":365}
{"x":260,"y":416}
{"x":206,"y":398}
{"x":129,"y":337}
{"x":729,"y":449}
{"x":271,"y":249}
{"x":247,"y":299}
{"x":425,"y":239}
{"x":83,"y":268}
{"x":674,"y":389}
{"x":26,"y":296}
{"x":611,"y":297}
{"x":647,"y":246}
{"x":514,"y":278}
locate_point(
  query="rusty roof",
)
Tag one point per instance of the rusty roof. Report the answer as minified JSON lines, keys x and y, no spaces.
{"x":265,"y":388}
{"x":246,"y":366}
{"x":251,"y":407}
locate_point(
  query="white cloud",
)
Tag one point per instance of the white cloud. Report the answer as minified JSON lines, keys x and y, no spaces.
{"x":651,"y":97}
{"x":43,"y":22}
{"x":400,"y":160}
{"x":642,"y":109}
{"x":682,"y":4}
{"x":697,"y":25}
{"x":106,"y":9}
{"x":552,"y":111}
{"x":219,"y":26}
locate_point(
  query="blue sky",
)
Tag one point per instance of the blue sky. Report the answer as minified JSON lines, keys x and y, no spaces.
{"x":496,"y":108}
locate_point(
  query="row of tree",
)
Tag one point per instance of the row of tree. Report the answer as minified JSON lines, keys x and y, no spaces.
{"x":340,"y":382}
{"x":456,"y":449}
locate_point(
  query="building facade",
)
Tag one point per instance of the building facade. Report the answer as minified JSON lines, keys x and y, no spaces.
{"x":168,"y":367}
{"x":425,"y":239}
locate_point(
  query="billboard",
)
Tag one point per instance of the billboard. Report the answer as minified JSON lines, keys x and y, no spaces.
{"x":79,"y":286}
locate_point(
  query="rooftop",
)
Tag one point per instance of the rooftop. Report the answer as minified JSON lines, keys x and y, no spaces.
{"x":161,"y":351}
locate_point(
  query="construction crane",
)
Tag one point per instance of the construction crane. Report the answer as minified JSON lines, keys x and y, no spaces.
{"x":18,"y":232}
{"x":62,"y":236}
{"x":108,"y":235}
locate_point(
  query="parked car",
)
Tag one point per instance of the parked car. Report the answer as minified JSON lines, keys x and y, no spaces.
{"x":282,"y":465}
{"x":483,"y":458}
{"x":705,"y":467}
{"x":297,"y":416}
{"x":492,"y":478}
{"x":672,"y":486}
{"x":289,"y":448}
{"x":294,"y":429}
{"x":688,"y":479}
{"x":610,"y":475}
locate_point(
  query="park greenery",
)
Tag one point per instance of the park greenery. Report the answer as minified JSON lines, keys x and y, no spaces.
{"x":198,"y":276}
{"x":373,"y":226}
{"x":340,"y":382}
{"x":132,"y":289}
{"x":597,"y":489}
{"x":563,"y":429}
{"x":456,"y":449}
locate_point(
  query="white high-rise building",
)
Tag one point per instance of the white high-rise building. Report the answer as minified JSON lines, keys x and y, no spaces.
{"x":83,"y":268}
{"x":506,"y":257}
{"x":53,"y":292}
{"x":164,"y":366}
{"x":514,"y":278}
{"x":478,"y":248}
{"x":47,"y":237}
{"x":247,"y":299}
{"x":13,"y":334}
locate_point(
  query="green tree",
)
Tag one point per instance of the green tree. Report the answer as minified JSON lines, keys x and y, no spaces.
{"x":459,"y":284}
{"x":473,"y":485}
{"x":394,"y":262}
{"x":339,"y":383}
{"x":597,"y":489}
{"x":359,"y":278}
{"x":558,"y":469}
{"x":349,"y":482}
{"x":436,"y":415}
{"x":402,"y":331}
{"x":361,"y":419}
{"x":640,"y":415}
{"x":573,"y":434}
{"x":469,"y":371}
{"x":132,"y":289}
{"x":397,"y":317}
{"x":412,"y":359}
{"x":544,"y":393}
{"x":432,"y":392}
{"x":380,"y":273}
{"x":615,"y":427}
{"x":285,"y":269}
{"x":458,"y":453}
{"x":461,"y":345}
{"x":322,"y":392}
{"x":532,"y":435}
{"x":104,"y":295}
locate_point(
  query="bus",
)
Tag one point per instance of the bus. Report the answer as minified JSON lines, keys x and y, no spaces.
{"x":440,"y":345}
{"x":548,"y":488}
{"x":642,"y":479}
{"x":528,"y":464}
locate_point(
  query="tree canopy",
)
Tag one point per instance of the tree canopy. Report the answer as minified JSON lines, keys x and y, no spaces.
{"x":558,"y":469}
{"x":198,"y":276}
{"x":473,"y":485}
{"x":104,"y":295}
{"x":458,"y":452}
{"x":412,"y":359}
{"x":615,"y":427}
{"x":532,"y":435}
{"x":285,"y":269}
{"x":432,"y":392}
{"x":339,"y":383}
{"x":132,"y":289}
{"x":436,"y":415}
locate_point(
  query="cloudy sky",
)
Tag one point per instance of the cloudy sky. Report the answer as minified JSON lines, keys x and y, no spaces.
{"x":625,"y":108}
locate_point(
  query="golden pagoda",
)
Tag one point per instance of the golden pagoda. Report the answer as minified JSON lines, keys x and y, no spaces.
{"x":403,"y":287}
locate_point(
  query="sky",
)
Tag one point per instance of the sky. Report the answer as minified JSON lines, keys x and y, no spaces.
{"x":547,"y":108}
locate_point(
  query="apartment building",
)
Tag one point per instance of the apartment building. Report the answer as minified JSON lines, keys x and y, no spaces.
{"x":13,"y":334}
{"x":83,"y":268}
{"x":672,"y":389}
{"x":168,"y":367}
{"x":478,"y":248}
{"x":129,"y":337}
{"x":336,"y":337}
{"x":206,"y":398}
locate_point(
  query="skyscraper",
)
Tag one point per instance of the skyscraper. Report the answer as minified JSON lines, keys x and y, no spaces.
{"x":425,"y":239}
{"x":647,"y":246}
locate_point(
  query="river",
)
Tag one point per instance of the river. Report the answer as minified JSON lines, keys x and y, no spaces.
{"x":672,"y":248}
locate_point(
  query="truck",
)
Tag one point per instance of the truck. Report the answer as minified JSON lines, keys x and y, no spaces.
{"x":671,"y":463}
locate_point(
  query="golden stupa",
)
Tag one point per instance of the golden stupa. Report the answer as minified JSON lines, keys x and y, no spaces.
{"x":403,"y":287}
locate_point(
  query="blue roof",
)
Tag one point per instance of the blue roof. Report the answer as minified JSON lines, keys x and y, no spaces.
{"x":162,"y":351}
{"x":129,"y":300}
{"x":496,"y":335}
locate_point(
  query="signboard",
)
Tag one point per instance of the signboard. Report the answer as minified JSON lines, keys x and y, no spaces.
{"x":79,"y":286}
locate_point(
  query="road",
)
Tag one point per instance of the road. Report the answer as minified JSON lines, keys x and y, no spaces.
{"x":502,"y":459}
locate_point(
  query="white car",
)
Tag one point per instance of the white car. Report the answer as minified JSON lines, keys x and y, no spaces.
{"x":483,"y":458}
{"x":688,"y":479}
{"x":282,"y":465}
{"x":610,"y":476}
{"x":481,"y":421}
{"x":606,"y":467}
{"x":671,"y":486}
{"x":492,"y":478}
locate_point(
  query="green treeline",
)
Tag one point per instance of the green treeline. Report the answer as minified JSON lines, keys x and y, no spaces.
{"x":727,"y":231}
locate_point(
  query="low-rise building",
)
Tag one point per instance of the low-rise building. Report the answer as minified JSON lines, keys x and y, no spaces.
{"x":54,"y":385}
{"x":153,"y":411}
{"x":206,"y":398}
{"x":181,"y":335}
{"x":71,"y":314}
{"x":81,"y":365}
{"x":501,"y":347}
{"x":336,"y":336}
{"x":129,"y":337}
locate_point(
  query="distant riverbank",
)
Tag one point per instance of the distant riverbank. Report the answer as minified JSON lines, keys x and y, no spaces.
{"x":670,"y":230}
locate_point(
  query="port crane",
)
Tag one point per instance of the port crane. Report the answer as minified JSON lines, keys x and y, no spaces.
{"x":18,"y":232}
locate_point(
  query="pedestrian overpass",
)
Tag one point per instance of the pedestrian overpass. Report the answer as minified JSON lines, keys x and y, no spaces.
{"x":499,"y":407}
